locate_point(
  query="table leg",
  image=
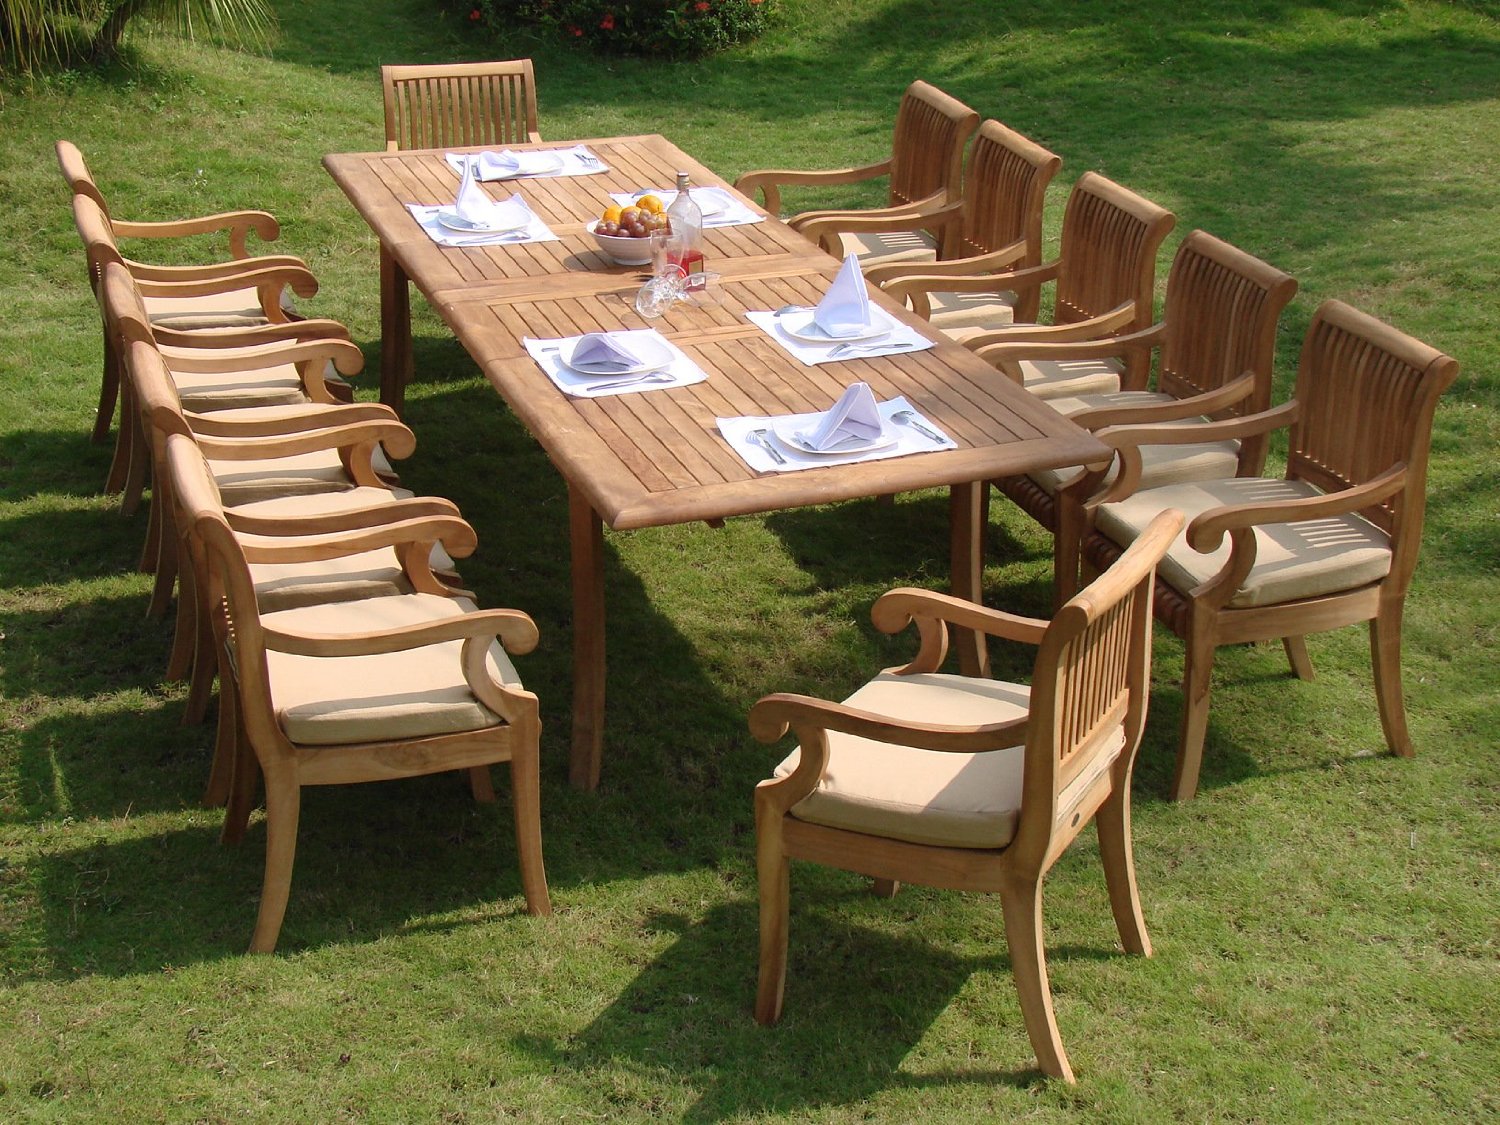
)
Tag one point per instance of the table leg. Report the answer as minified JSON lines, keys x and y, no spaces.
{"x":586,"y":532}
{"x":395,"y":332}
{"x":966,"y":511}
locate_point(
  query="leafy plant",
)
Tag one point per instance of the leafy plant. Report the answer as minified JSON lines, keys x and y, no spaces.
{"x":659,"y":28}
{"x":245,"y":21}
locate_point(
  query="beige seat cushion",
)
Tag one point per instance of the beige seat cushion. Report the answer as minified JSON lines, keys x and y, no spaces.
{"x":371,"y":574}
{"x":1293,"y":560}
{"x":922,"y":796}
{"x":1062,"y":378}
{"x":238,"y":308}
{"x":241,"y":482}
{"x":882,"y":248}
{"x":327,"y":701}
{"x":203,"y":394}
{"x":963,"y":316}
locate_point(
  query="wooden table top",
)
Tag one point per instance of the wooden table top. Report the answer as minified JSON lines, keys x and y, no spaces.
{"x":656,"y":458}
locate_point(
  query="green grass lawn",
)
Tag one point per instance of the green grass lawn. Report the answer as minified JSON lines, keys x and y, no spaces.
{"x":1324,"y":915}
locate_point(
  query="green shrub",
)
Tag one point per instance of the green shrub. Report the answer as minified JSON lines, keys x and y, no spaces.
{"x":659,"y":28}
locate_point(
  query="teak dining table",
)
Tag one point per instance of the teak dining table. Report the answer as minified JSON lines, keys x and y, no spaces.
{"x":656,"y":458}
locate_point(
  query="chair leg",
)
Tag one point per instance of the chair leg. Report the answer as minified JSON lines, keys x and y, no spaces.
{"x":1296,"y":655}
{"x":1022,"y":904}
{"x":137,"y":454}
{"x":481,"y":785}
{"x":1197,"y":673}
{"x":201,"y":682}
{"x":885,"y":888}
{"x":1385,"y":656}
{"x":1117,"y":851}
{"x":526,"y":794}
{"x":109,"y":388}
{"x":185,"y":628}
{"x":773,"y":872}
{"x":221,"y":773}
{"x":166,"y":567}
{"x":283,"y":806}
{"x":119,"y":462}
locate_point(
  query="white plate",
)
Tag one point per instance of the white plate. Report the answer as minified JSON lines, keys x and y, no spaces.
{"x":537,"y":164}
{"x":801,"y":326}
{"x":786,"y":433}
{"x":654,"y":353}
{"x":454,"y":221}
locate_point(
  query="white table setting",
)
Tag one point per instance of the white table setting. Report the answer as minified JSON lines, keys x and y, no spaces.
{"x":856,"y":428}
{"x":720,"y":207}
{"x":474,"y":219}
{"x":598,"y":364}
{"x":535,"y":164}
{"x":844,"y":325}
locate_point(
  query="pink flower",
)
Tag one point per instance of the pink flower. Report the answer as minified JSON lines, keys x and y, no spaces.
{"x":702,"y":5}
{"x":575,"y":31}
{"x":608,"y":22}
{"x":476,"y":15}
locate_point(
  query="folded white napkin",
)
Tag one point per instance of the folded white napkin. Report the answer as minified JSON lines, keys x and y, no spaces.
{"x":845,"y":308}
{"x":509,"y":163}
{"x":472,"y":204}
{"x":604,"y":351}
{"x":854,"y":419}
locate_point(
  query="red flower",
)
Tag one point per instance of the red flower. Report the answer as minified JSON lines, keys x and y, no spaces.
{"x":575,"y":31}
{"x":476,"y":15}
{"x":608,"y":22}
{"x":702,"y":5}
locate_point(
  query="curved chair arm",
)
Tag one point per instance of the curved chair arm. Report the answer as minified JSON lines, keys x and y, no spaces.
{"x":1194,"y":406}
{"x":931,"y":611}
{"x":236,"y":267}
{"x":774,"y":715}
{"x":1208,"y":529}
{"x":314,"y":416}
{"x":920,"y":214}
{"x":268,"y":284}
{"x":453,"y":532}
{"x":198,"y":339}
{"x":1012,"y":281}
{"x":1127,"y":441}
{"x":512,"y":628}
{"x":395,"y":438}
{"x":899,"y":278}
{"x":239,"y":224}
{"x":351,"y":519}
{"x":345,"y":356}
{"x":1093,"y":328}
{"x":770,"y":180}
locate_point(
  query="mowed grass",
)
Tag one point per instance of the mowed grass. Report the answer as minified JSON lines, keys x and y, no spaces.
{"x":1324,"y":915}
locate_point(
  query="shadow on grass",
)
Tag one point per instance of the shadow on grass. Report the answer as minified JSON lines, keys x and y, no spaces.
{"x":858,"y":1001}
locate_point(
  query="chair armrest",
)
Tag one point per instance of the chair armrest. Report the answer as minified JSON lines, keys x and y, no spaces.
{"x":315,"y":416}
{"x":931,"y":612}
{"x":345,"y":356}
{"x":268,"y":284}
{"x":200,"y":338}
{"x":239,"y":224}
{"x":512,"y":628}
{"x":922,"y":214}
{"x":454,"y":533}
{"x":352,"y":519}
{"x":770,"y":180}
{"x":1208,"y":529}
{"x":1127,"y":441}
{"x":772,"y":716}
{"x":1093,"y":328}
{"x":236,"y":267}
{"x":1175,"y":411}
{"x":934,"y":280}
{"x":894,"y":278}
{"x":395,"y":438}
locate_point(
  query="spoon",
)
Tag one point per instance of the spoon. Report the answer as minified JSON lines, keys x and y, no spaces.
{"x":909,"y":418}
{"x":791,"y":309}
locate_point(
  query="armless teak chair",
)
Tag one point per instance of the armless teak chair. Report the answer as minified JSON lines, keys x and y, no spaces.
{"x":1216,"y":347}
{"x":459,"y":104}
{"x":971,"y":783}
{"x":1332,"y":543}
{"x":1103,"y":279}
{"x":925,"y":169}
{"x":369,"y":690}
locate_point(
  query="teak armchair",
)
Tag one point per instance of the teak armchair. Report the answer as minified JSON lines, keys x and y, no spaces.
{"x":1215,"y":347}
{"x":1103,"y":284}
{"x":997,"y":226}
{"x":925,"y":168}
{"x":369,"y":690}
{"x":1332,"y":543}
{"x":968,"y":783}
{"x":459,"y":104}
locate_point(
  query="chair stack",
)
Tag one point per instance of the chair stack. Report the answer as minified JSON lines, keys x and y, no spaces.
{"x":323,"y":596}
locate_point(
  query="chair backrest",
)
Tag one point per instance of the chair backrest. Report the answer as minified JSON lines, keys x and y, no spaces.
{"x":1092,"y":677}
{"x":99,"y":245}
{"x":1110,"y":237}
{"x":927,"y":149}
{"x":459,"y":104}
{"x":76,"y":172}
{"x":1368,"y":394}
{"x":1222,"y":309}
{"x":1005,"y":187}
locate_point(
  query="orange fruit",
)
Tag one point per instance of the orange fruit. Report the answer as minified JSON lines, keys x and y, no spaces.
{"x":650,"y":203}
{"x":611,"y":215}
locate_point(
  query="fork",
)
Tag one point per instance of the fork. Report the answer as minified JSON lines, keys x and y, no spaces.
{"x":758,"y":437}
{"x":588,"y":159}
{"x":643,"y":377}
{"x":886,"y":346}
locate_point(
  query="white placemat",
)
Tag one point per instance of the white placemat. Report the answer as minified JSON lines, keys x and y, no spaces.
{"x":548,"y":354}
{"x":576,"y":161}
{"x":728,"y":210}
{"x":907,"y":431}
{"x":903,"y":338}
{"x":427,"y":219}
